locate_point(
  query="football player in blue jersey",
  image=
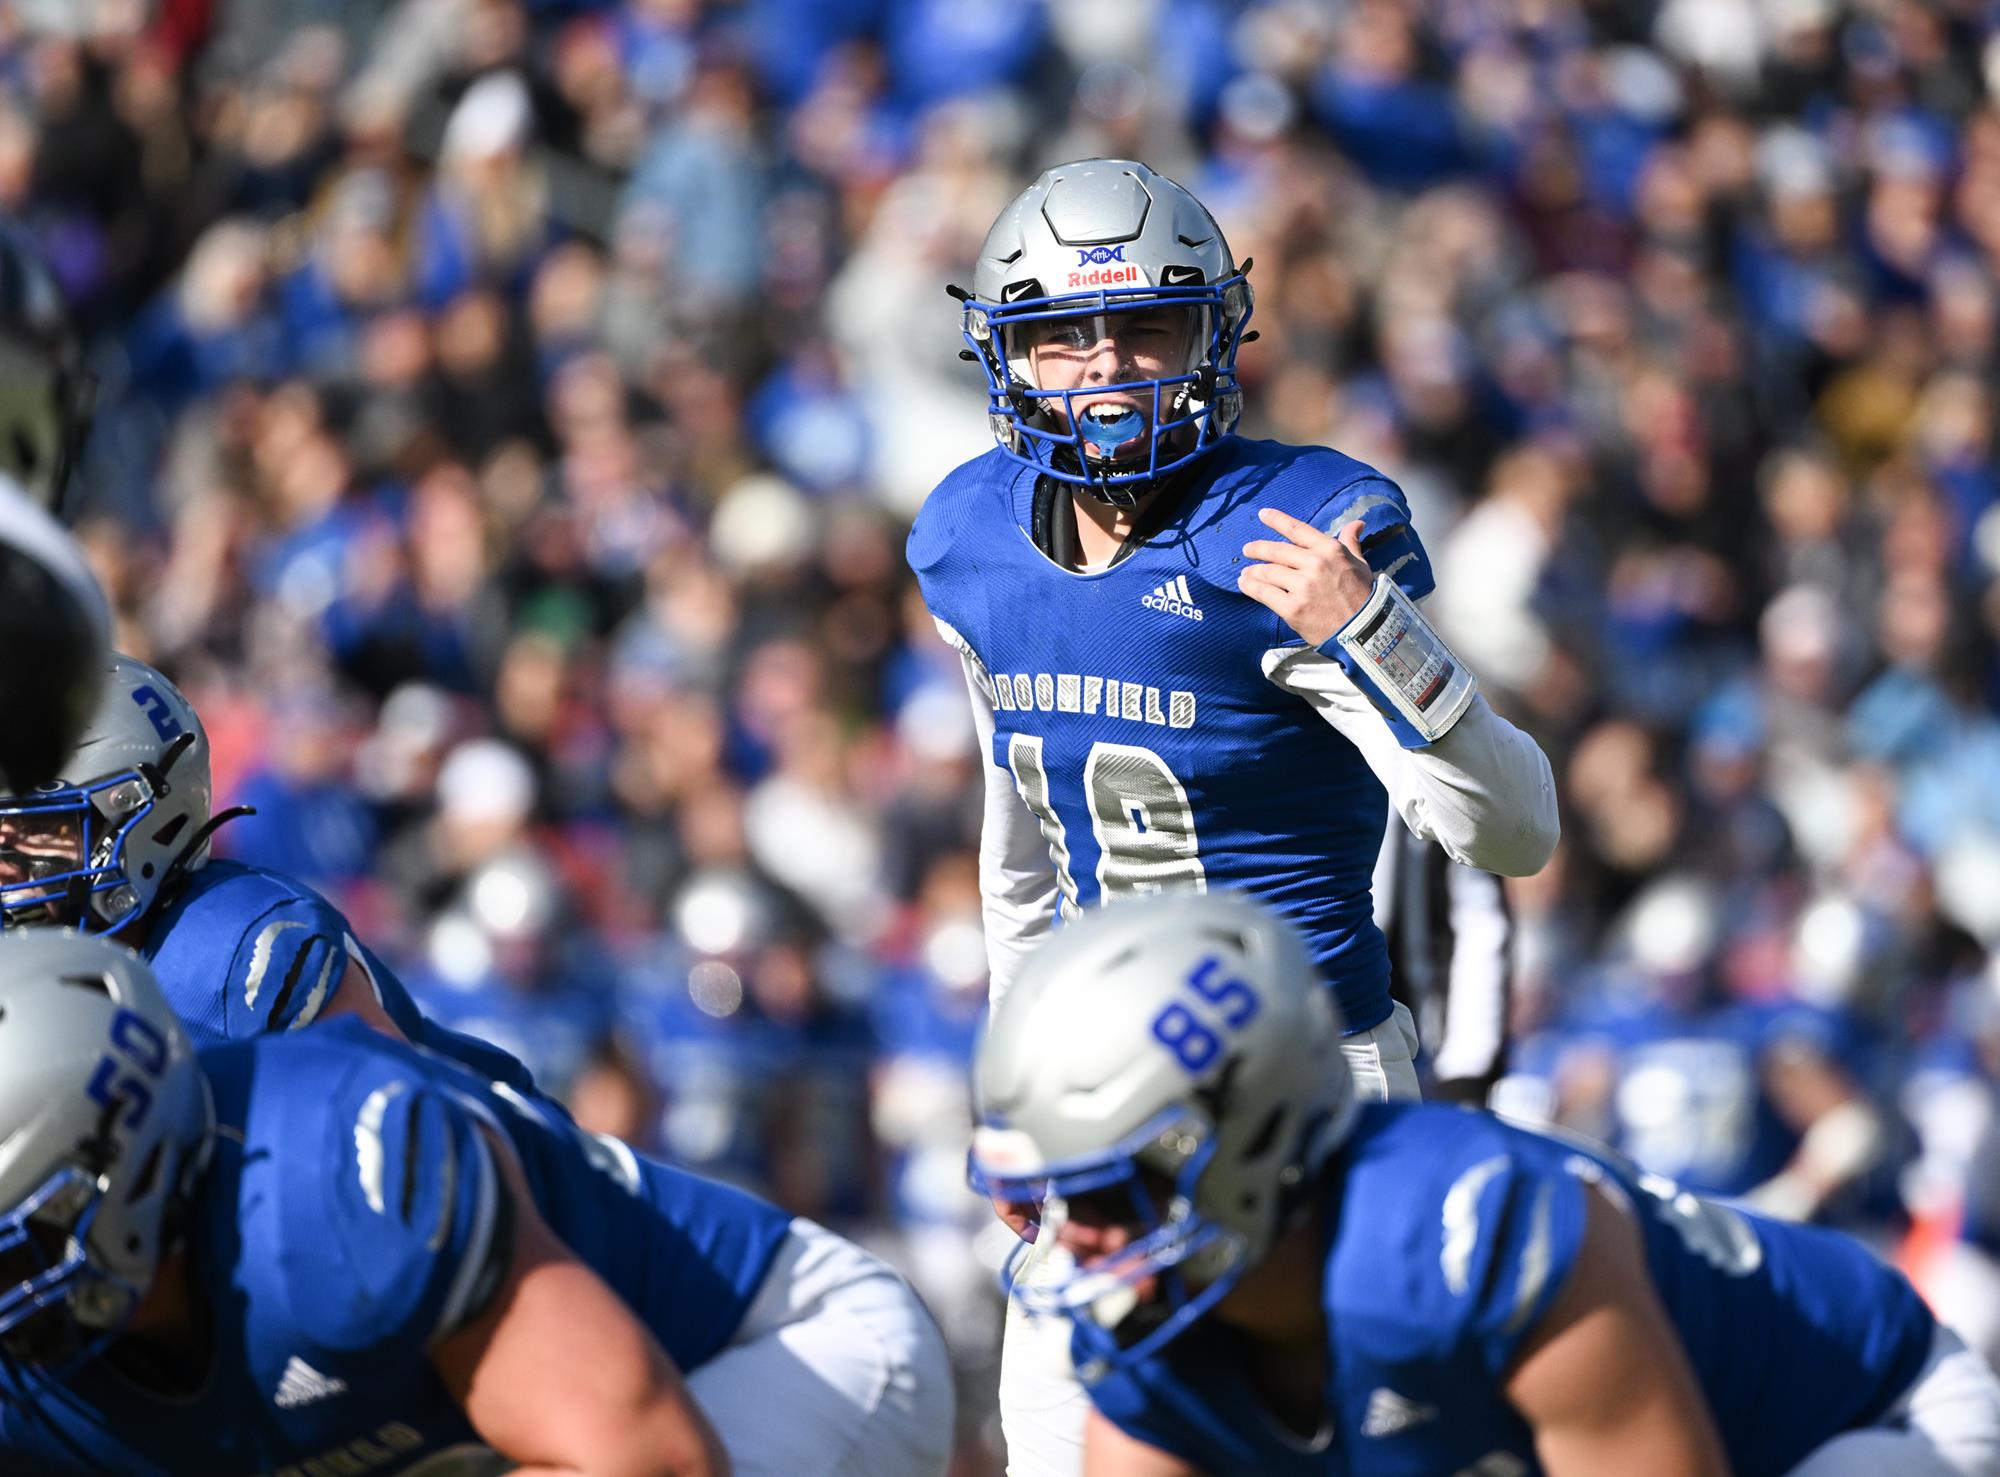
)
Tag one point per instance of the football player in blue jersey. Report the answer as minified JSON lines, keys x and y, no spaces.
{"x":1197,"y":660}
{"x":329,"y":1252}
{"x":104,"y":779}
{"x":117,"y":844}
{"x":1275,"y":1278}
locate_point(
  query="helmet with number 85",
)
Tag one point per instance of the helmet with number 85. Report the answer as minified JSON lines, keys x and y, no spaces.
{"x":105,"y":1126}
{"x":1171,"y":1064}
{"x":1096,"y":250}
{"x":129,"y":807}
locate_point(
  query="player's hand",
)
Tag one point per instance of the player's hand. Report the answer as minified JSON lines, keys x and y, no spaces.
{"x":1023,"y":1217}
{"x":1310,"y":580}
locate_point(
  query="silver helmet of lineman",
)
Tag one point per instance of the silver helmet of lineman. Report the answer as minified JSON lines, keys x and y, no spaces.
{"x":129,"y":808}
{"x":1112,"y":237}
{"x":1177,"y":1060}
{"x":105,"y":1125}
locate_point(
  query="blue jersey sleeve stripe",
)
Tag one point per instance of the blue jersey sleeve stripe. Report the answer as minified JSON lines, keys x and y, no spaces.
{"x":359,"y":957}
{"x":1399,"y":554}
{"x":260,"y":958}
{"x":1376,"y":501}
{"x":1377,"y":510}
{"x":1539,"y":1225}
{"x":330,"y":957}
{"x":1537,"y":1256}
{"x":1388,"y":539}
{"x":475,"y":1276}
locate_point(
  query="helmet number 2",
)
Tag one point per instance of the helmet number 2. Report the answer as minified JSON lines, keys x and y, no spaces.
{"x":129,"y":1081}
{"x":155,"y":707}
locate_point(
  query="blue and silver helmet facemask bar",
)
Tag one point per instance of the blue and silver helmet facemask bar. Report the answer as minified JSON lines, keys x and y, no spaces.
{"x":90,"y":892}
{"x":1102,"y":1300}
{"x":56,"y":1309}
{"x":94,"y":894}
{"x":1011,"y":404}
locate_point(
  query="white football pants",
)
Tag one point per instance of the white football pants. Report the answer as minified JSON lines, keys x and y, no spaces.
{"x":838,"y":1368}
{"x":1967,"y":1282}
{"x":1043,"y":1408}
{"x":1946,"y":1425}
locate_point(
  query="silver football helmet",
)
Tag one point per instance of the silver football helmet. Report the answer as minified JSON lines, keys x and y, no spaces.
{"x":1179,"y":1055}
{"x":129,"y":807}
{"x":1087,"y":243}
{"x":105,"y":1126}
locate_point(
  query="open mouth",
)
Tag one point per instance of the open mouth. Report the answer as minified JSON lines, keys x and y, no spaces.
{"x":1109,"y":428}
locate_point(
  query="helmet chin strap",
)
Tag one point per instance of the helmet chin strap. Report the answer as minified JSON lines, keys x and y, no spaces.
{"x":194,"y":842}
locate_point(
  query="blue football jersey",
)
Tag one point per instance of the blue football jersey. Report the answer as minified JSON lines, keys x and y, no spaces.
{"x":242,"y":952}
{"x":1449,"y":1234}
{"x":1133,"y":708}
{"x":354,"y":1215}
{"x":1690,"y":1103}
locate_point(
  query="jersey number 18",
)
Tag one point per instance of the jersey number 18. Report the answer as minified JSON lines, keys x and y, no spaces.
{"x":1139,"y":813}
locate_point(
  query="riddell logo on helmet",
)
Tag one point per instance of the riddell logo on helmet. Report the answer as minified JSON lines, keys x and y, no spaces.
{"x":1104,"y":277}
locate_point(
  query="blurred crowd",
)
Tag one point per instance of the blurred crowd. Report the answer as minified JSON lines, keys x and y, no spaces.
{"x":509,"y":413}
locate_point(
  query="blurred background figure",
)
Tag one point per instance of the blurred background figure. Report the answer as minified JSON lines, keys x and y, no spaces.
{"x":508,"y":414}
{"x":1451,"y":953}
{"x":54,"y":638}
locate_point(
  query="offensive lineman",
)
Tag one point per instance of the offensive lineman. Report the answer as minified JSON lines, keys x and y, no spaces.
{"x":1197,"y":659}
{"x":107,"y":832}
{"x":117,"y":844}
{"x":104,"y":778}
{"x":1275,"y":1279}
{"x":330,"y":1252}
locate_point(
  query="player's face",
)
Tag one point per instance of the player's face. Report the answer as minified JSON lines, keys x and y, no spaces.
{"x":1092,"y":350}
{"x":36,"y":1244}
{"x":1097,"y":1227}
{"x":39,"y":843}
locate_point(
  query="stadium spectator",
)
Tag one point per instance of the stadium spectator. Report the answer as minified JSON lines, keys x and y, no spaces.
{"x":544,"y":382}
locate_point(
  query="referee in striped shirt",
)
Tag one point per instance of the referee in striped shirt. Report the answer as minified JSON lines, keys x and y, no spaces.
{"x":1451,"y":959}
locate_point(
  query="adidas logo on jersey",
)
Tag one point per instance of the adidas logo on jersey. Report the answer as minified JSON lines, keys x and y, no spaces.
{"x":1389,"y":1413}
{"x":301,"y":1384}
{"x":1174,"y":598}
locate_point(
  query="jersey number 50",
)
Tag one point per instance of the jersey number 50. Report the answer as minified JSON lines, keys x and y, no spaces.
{"x":126,"y":1075}
{"x":1139,"y":813}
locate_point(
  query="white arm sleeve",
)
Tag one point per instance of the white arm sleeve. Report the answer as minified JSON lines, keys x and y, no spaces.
{"x":1017,"y":880}
{"x":1484,"y":791}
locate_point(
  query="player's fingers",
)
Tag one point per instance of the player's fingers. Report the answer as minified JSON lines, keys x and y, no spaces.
{"x":1350,"y":539}
{"x":1284,"y":576}
{"x":1023,"y":1217}
{"x":1265,"y":583}
{"x":1297,"y":530}
{"x":1277,"y":552}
